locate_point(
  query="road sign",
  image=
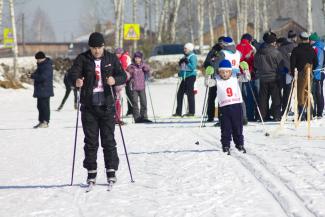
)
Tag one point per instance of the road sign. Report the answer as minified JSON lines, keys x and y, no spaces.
{"x":131,"y":31}
{"x":8,"y":38}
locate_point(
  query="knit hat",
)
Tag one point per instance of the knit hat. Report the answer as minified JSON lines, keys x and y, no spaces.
{"x":138,"y":54}
{"x":225,"y":65}
{"x":96,"y":39}
{"x":247,"y":36}
{"x":189,"y":46}
{"x":226,"y":41}
{"x":291,"y":34}
{"x":40,"y":55}
{"x":314,"y":37}
{"x":269,"y":37}
{"x":119,"y":50}
{"x":304,"y":36}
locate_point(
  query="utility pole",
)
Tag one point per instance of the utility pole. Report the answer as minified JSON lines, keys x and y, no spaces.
{"x":15,"y":47}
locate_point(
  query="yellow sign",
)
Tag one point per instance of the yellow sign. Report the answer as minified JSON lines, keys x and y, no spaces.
{"x":8,"y":37}
{"x":131,"y":31}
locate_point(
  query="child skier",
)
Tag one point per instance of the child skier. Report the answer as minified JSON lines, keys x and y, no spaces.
{"x":231,"y":112}
{"x":138,"y":73}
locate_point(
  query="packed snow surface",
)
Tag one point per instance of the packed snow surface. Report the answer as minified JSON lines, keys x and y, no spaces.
{"x":281,"y":175}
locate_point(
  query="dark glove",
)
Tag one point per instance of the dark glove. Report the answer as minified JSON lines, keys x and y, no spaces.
{"x":186,"y":60}
{"x":182,"y":60}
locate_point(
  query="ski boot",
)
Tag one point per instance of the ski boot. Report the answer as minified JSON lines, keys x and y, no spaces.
{"x":241,"y":148}
{"x":91,"y":178}
{"x":226,"y":149}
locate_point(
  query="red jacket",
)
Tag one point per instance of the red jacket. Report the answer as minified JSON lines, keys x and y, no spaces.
{"x":125,"y":60}
{"x":247,"y":51}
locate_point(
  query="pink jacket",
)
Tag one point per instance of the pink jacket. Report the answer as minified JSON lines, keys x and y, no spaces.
{"x":138,"y":73}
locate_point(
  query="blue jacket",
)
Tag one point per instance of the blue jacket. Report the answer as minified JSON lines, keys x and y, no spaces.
{"x":188,"y":69}
{"x":43,"y":79}
{"x":319,"y":49}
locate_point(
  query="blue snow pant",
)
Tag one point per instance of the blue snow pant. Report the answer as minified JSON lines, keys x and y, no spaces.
{"x":231,"y":123}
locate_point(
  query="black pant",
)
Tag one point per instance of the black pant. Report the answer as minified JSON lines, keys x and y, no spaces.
{"x":268,"y":89}
{"x":66,"y":95}
{"x":231,"y":123}
{"x":318,"y":97}
{"x":211,"y":102}
{"x":43,"y":106}
{"x":128,"y":93}
{"x":186,"y":86}
{"x":285,"y":97}
{"x":99,"y":120}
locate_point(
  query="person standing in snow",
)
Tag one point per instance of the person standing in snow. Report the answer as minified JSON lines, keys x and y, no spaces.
{"x":285,"y":46}
{"x":267,"y":62}
{"x":187,"y":73}
{"x":68,"y":88}
{"x":96,"y":72}
{"x":213,"y":53}
{"x":125,"y":60}
{"x":43,"y":88}
{"x":303,"y":57}
{"x":139,"y":72}
{"x":231,"y":112}
{"x":318,"y":75}
{"x":229,"y":53}
{"x":247,"y":50}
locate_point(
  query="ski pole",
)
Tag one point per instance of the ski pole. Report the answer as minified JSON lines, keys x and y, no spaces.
{"x":258,"y":109}
{"x":203,"y":113}
{"x":177,"y":85}
{"x":122,"y":136}
{"x":75,"y":136}
{"x":153,"y":111}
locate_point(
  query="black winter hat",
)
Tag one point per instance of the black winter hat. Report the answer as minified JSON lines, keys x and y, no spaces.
{"x":96,"y":39}
{"x":269,"y":37}
{"x":40,"y":55}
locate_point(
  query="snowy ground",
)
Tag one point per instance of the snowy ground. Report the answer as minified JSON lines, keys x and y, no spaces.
{"x":281,"y":175}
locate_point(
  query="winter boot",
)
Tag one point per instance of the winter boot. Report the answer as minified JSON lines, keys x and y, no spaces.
{"x":226,"y":149}
{"x":44,"y":124}
{"x":37,"y":125}
{"x":241,"y":148}
{"x":91,"y":178}
{"x":110,"y":173}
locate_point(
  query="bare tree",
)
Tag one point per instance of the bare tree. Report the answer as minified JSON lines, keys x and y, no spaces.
{"x":265,"y":16}
{"x":161,"y":20}
{"x":13,"y":25}
{"x":239,"y":19}
{"x":189,"y":7}
{"x":121,"y":17}
{"x":210,"y":23}
{"x":225,"y":18}
{"x":134,"y":12}
{"x":146,"y":18}
{"x":173,"y":20}
{"x":1,"y":8}
{"x":245,"y":15}
{"x":257,"y":19}
{"x":200,"y":15}
{"x":117,"y":31}
{"x":42,"y":29}
{"x":309,"y":17}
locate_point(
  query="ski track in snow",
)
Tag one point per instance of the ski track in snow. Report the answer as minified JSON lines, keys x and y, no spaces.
{"x":281,"y":175}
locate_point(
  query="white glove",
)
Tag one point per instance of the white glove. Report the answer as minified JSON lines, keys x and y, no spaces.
{"x":247,"y":75}
{"x":209,"y":82}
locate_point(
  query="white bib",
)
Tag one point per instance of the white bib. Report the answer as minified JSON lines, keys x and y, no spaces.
{"x":228,"y":91}
{"x":234,"y":59}
{"x":99,"y":87}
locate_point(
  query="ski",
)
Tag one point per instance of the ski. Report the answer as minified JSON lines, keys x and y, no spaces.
{"x":110,"y":185}
{"x":90,"y":187}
